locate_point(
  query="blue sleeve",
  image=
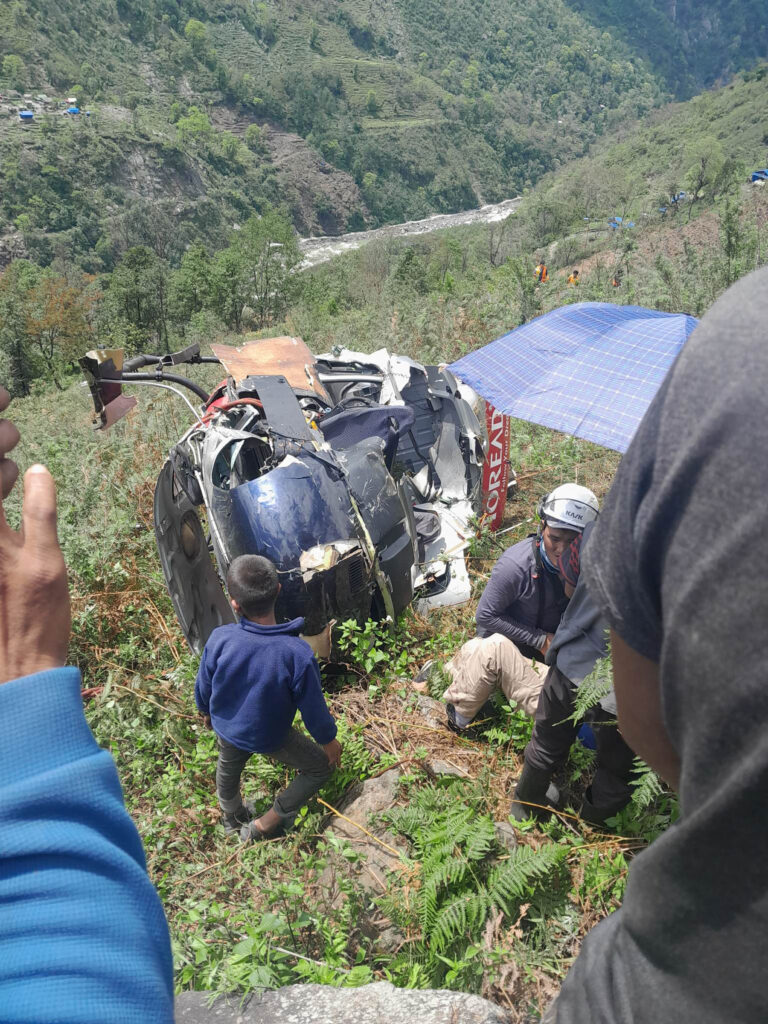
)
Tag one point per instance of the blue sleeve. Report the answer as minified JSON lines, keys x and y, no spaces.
{"x":503,"y":590}
{"x":83,"y":938}
{"x":311,"y":703}
{"x":203,"y":683}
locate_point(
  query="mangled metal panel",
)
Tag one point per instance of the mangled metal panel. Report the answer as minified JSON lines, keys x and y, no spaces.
{"x":440,"y":457}
{"x":269,"y":357}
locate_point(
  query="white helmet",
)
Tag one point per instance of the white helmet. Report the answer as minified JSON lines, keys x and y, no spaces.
{"x":569,"y":507}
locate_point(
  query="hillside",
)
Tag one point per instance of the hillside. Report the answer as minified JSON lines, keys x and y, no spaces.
{"x":350,"y":114}
{"x":703,"y":147}
{"x":690,"y":43}
{"x":399,"y":116}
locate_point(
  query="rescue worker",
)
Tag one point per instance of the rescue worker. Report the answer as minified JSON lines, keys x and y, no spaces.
{"x":518,"y":613}
{"x":579,"y":643}
{"x":573,"y":279}
{"x":540,"y":273}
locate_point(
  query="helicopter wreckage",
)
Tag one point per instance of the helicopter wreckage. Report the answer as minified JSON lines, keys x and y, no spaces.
{"x":356,"y":474}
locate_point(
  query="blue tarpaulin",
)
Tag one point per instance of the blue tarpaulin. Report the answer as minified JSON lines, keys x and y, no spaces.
{"x":590,"y":369}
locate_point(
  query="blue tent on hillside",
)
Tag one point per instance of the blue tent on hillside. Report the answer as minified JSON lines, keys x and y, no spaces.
{"x":589,"y":369}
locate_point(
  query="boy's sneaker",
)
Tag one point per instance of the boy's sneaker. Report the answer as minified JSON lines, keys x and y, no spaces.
{"x":235,"y":821}
{"x":251,"y":833}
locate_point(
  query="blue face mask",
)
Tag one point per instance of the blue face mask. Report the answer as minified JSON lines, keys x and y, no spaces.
{"x":544,"y":560}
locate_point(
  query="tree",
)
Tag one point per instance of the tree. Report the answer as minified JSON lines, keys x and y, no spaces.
{"x":58,"y":320}
{"x":229,"y":287}
{"x":138,"y":291}
{"x":254,"y":138}
{"x":737,"y":246}
{"x":14,"y":71}
{"x":522,"y":280}
{"x":256,"y":271}
{"x":190,"y":288}
{"x":230,"y":146}
{"x":270,"y":251}
{"x":705,"y":162}
{"x":15,"y":284}
{"x":372,"y":103}
{"x":196,"y":35}
{"x":195,"y":126}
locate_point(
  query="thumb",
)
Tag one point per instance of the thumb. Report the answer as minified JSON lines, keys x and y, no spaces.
{"x":39,"y":510}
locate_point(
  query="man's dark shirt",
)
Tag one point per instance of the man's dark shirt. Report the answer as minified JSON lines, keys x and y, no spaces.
{"x":511,"y":603}
{"x":678,"y":566}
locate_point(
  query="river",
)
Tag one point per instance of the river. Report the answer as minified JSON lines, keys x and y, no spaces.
{"x":324,"y":248}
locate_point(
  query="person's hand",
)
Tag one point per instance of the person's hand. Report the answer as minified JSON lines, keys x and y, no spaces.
{"x":321,"y":642}
{"x":9,"y":438}
{"x":34,"y":595}
{"x":545,"y":646}
{"x":207,"y":721}
{"x":333,"y":753}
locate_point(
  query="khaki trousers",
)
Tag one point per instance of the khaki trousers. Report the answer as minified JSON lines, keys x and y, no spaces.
{"x":484,"y":665}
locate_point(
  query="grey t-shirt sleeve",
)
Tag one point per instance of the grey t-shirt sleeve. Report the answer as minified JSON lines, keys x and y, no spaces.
{"x":622,"y":565}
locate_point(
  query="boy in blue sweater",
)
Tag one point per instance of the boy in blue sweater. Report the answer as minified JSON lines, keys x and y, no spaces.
{"x":253,"y":678}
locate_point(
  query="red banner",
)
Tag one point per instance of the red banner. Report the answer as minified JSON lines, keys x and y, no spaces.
{"x":496,"y":466}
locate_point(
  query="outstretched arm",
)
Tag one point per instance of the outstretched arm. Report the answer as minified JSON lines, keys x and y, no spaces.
{"x":83,"y":939}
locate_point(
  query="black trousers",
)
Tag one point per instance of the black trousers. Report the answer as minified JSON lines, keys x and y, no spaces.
{"x":553,"y":735}
{"x":298,"y":751}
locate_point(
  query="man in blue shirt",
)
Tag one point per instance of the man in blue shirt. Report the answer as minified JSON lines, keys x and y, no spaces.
{"x":518,"y":613}
{"x":83,"y":939}
{"x":253,"y":678}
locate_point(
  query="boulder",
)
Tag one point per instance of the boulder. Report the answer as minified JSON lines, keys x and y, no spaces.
{"x":321,"y":1004}
{"x":361,"y":806}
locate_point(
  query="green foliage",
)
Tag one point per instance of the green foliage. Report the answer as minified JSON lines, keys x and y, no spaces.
{"x":598,"y":684}
{"x":461,"y":885}
{"x":138,"y":294}
{"x":196,"y":35}
{"x":195,"y":127}
{"x":14,"y":71}
{"x":688,"y":43}
{"x":253,"y":138}
{"x":372,"y":645}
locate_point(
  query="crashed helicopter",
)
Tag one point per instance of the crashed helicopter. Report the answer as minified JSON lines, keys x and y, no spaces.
{"x":356,"y":474}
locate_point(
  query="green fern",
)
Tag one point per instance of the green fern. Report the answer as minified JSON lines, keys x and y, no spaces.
{"x":462,"y":879}
{"x":647,"y":785}
{"x":509,"y":881}
{"x":591,"y":691}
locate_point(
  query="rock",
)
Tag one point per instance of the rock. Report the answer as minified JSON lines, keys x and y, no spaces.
{"x":370,"y":797}
{"x":361,"y":806}
{"x":438,"y":767}
{"x":432,"y":711}
{"x":505,"y":834}
{"x":12,"y":248}
{"x":321,"y":1004}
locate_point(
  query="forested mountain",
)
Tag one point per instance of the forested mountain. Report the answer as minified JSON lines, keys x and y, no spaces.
{"x":691,"y":43}
{"x":348,"y":112}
